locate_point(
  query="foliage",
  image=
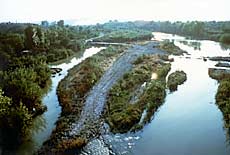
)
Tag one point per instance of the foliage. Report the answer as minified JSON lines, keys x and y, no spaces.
{"x":126,"y":36}
{"x":176,"y":78}
{"x":14,"y":120}
{"x":171,"y":48}
{"x":153,"y":97}
{"x":223,"y":99}
{"x":25,"y":50}
{"x":25,"y":80}
{"x":122,"y":112}
{"x":71,"y":144}
{"x":225,"y":38}
{"x":211,"y":30}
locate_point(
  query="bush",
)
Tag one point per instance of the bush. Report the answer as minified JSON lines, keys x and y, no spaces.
{"x":126,"y":36}
{"x":122,"y":113}
{"x":225,"y":38}
{"x":21,"y":85}
{"x":223,"y":99}
{"x":175,"y":79}
{"x":71,"y":144}
{"x":14,"y":120}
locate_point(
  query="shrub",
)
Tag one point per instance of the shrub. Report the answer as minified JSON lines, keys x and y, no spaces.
{"x":223,"y":99}
{"x":14,"y":120}
{"x":175,"y":79}
{"x":225,"y":38}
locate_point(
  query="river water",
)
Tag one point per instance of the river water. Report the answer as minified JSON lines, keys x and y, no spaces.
{"x":44,"y":124}
{"x":189,"y":122}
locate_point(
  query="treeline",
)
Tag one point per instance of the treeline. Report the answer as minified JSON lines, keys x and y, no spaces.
{"x":25,"y":51}
{"x":125,"y":36}
{"x":216,"y":31}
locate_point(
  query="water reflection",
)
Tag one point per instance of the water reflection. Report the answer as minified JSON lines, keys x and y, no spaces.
{"x":195,"y":44}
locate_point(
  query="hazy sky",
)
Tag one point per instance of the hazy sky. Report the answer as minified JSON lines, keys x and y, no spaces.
{"x":37,"y":10}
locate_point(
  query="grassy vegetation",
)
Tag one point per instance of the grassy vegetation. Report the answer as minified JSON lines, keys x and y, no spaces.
{"x":126,"y":36}
{"x":70,"y":144}
{"x":223,"y":99}
{"x":171,"y":48}
{"x":219,"y":74}
{"x":223,"y":93}
{"x":14,"y":121}
{"x":176,"y":78}
{"x":122,"y":113}
{"x":225,"y":38}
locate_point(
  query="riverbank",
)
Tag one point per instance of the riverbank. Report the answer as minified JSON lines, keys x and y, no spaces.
{"x":223,"y":92}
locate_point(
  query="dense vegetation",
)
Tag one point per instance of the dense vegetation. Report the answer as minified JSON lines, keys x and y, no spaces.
{"x":176,"y":78}
{"x":123,"y":110}
{"x":171,"y":48}
{"x":212,"y":30}
{"x":223,"y":99}
{"x":25,"y":50}
{"x":13,"y":120}
{"x":126,"y":36}
{"x":223,"y":93}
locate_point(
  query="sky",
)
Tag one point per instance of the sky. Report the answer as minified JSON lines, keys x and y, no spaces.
{"x":99,"y":10}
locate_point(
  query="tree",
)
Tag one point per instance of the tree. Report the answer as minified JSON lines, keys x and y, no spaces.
{"x":14,"y":120}
{"x":45,"y":23}
{"x":29,"y":32}
{"x":60,"y":23}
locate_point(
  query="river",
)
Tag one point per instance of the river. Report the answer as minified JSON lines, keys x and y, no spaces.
{"x":44,"y":124}
{"x":189,"y":122}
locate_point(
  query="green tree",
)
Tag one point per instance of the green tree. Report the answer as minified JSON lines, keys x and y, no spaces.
{"x":29,"y":32}
{"x":14,"y":120}
{"x":60,"y":23}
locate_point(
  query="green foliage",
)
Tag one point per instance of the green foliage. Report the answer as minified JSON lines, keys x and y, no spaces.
{"x":60,"y":23}
{"x":153,"y":97}
{"x":176,"y":78}
{"x":171,"y":48}
{"x":123,"y":114}
{"x":25,"y":80}
{"x":58,"y":54}
{"x":126,"y":36}
{"x":14,"y":120}
{"x":21,"y":85}
{"x":223,"y":99}
{"x":196,"y":29}
{"x":29,"y":42}
{"x":225,"y":38}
